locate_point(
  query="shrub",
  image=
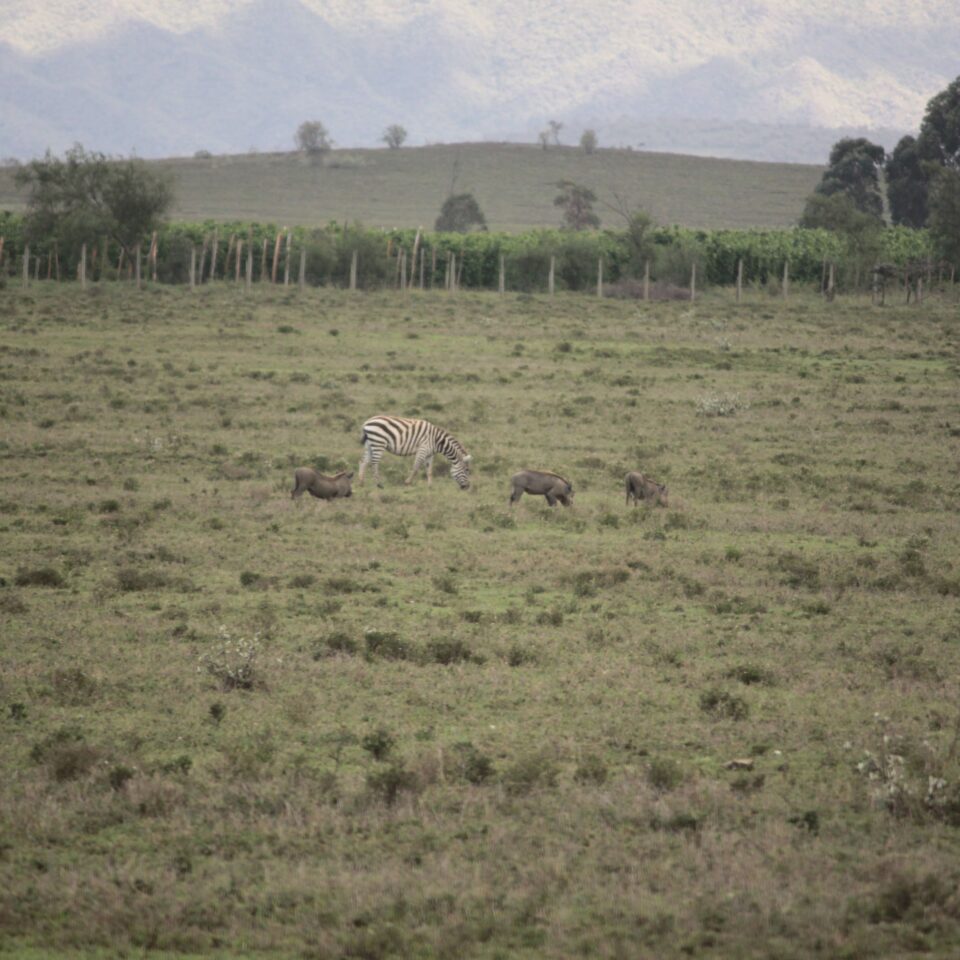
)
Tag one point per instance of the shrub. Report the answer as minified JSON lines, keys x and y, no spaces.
{"x":379,"y":744}
{"x":721,"y":704}
{"x":233,"y":662}
{"x":388,"y":645}
{"x":448,"y":650}
{"x":519,"y":655}
{"x":66,"y":754}
{"x":591,"y":769}
{"x":388,"y":784}
{"x":537,"y":770}
{"x":72,"y":687}
{"x":720,"y":405}
{"x":119,"y":775}
{"x":664,"y":774}
{"x":39,"y":577}
{"x":467,"y":762}
{"x":338,"y":642}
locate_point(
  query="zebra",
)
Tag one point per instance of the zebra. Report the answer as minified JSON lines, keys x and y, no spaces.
{"x":418,"y":438}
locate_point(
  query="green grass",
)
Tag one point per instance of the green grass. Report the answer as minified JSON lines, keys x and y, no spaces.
{"x":417,"y":723}
{"x":515,"y":185}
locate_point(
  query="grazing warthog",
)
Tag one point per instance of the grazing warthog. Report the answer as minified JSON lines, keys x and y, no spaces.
{"x":319,"y":486}
{"x":543,"y":484}
{"x":640,"y":487}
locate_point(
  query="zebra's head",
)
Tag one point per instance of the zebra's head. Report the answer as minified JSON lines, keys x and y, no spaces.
{"x":460,"y":471}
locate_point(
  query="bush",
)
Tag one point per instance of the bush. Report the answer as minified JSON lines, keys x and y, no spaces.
{"x":388,"y":784}
{"x":664,"y":774}
{"x":448,"y":650}
{"x":39,"y":577}
{"x":721,"y":704}
{"x":537,"y":770}
{"x":591,"y":770}
{"x":233,"y":662}
{"x":388,"y":645}
{"x":379,"y":744}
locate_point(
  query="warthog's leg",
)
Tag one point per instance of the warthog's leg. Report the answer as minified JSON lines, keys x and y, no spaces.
{"x":515,"y":494}
{"x":551,"y":499}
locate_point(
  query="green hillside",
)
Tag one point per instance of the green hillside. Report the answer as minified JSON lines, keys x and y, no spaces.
{"x":514,"y":183}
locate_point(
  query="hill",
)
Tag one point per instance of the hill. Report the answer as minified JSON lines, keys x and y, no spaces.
{"x":514,"y":183}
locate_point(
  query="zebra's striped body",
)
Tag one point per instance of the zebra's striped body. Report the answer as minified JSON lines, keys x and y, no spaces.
{"x":412,"y":438}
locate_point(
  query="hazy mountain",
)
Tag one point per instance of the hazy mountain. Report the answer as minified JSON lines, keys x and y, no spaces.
{"x":755,"y":79}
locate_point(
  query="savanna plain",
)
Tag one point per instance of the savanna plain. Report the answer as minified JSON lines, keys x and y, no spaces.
{"x":419,"y":723}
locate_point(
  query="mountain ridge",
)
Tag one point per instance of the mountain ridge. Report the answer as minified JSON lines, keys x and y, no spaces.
{"x":226,"y":77}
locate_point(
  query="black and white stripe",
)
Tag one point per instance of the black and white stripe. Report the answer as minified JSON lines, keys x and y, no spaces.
{"x":412,"y":438}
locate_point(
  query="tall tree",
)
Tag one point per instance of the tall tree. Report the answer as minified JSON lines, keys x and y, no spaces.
{"x":907,"y":185}
{"x":854,"y":170}
{"x":86,"y":195}
{"x":313,"y":139}
{"x":577,"y":202}
{"x":945,"y":214}
{"x":394,"y":136}
{"x":939,"y":140}
{"x":460,"y":214}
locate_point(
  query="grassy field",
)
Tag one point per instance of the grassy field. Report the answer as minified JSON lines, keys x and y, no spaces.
{"x":418,"y":723}
{"x":514,"y":183}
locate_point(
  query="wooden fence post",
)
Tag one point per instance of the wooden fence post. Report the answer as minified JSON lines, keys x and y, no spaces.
{"x":353,"y":271}
{"x":446,"y":273}
{"x":453,"y":272}
{"x":423,"y":258}
{"x":26,"y":265}
{"x":693,"y":282}
{"x":433,"y":265}
{"x":413,"y":256}
{"x":153,"y":256}
{"x":829,"y":292}
{"x":193,"y":266}
{"x":236,"y":266}
{"x":213,"y":255}
{"x":249,"y":263}
{"x":919,"y":289}
{"x":203,"y":260}
{"x":399,"y":273}
{"x":502,"y":282}
{"x":1,"y":254}
{"x":646,"y":280}
{"x":786,"y":279}
{"x":553,"y":263}
{"x":286,"y":262}
{"x":460,"y":263}
{"x":83,"y":266}
{"x":302,"y":278}
{"x":263,"y":261}
{"x":739,"y":279}
{"x":36,"y":268}
{"x":136,"y":271}
{"x":600,"y":276}
{"x":276,"y":257}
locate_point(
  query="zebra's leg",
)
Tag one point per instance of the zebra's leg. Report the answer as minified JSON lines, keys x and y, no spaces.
{"x":364,"y":460}
{"x":423,"y":456}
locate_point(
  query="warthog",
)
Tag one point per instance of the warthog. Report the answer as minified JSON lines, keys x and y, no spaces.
{"x":543,"y":484}
{"x":319,"y":486}
{"x":640,"y":487}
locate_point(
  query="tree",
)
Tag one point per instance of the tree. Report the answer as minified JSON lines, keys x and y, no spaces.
{"x":854,"y":170}
{"x":588,"y":140}
{"x":945,"y":214}
{"x":460,"y":214}
{"x":639,"y":235}
{"x":907,"y":184}
{"x":86,"y":195}
{"x":577,"y":202}
{"x":394,"y":136}
{"x":839,"y":214}
{"x":939,"y":140}
{"x":313,"y":139}
{"x":551,"y":134}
